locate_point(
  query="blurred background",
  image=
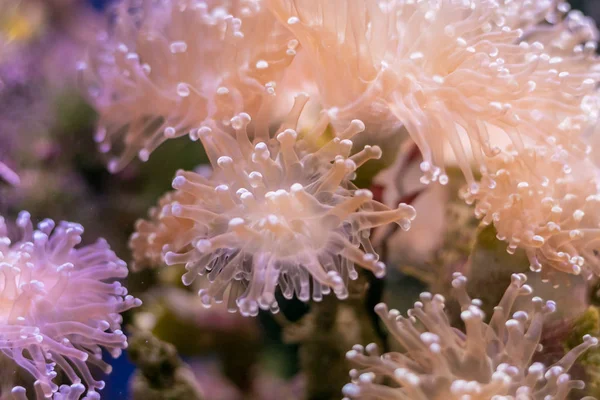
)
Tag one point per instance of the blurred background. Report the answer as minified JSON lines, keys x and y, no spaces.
{"x":46,"y":136}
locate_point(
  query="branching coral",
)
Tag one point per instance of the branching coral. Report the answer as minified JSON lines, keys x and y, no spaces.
{"x":60,"y":306}
{"x":168,"y":66}
{"x":276,"y":212}
{"x":453,"y":71}
{"x":545,"y":202}
{"x":489,"y":361}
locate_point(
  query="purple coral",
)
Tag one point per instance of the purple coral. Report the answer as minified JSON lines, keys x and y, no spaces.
{"x":60,"y":306}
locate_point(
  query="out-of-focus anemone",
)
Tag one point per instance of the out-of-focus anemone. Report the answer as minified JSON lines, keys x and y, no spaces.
{"x":19,"y":23}
{"x":277,"y":211}
{"x":60,"y":306}
{"x":161,"y":229}
{"x":489,"y":361}
{"x":349,"y":45}
{"x":452,"y":71}
{"x":8,"y":175}
{"x":546,"y":203}
{"x":167,"y":66}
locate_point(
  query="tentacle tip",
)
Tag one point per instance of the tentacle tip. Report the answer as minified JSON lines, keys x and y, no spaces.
{"x":590,"y":340}
{"x":358,"y":125}
{"x":351,"y":390}
{"x":381,"y":308}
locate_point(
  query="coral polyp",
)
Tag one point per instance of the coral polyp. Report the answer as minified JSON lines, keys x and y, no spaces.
{"x":165,"y":67}
{"x":452,"y":72}
{"x":276,"y":211}
{"x":60,"y":306}
{"x":544,"y":202}
{"x":269,"y":159}
{"x":491,"y":360}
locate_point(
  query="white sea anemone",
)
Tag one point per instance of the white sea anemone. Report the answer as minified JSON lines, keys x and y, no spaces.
{"x":278,"y":211}
{"x":488,"y":361}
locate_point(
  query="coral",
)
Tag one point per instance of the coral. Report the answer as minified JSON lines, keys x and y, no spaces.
{"x":275,"y":212}
{"x":348,"y":45}
{"x":161,"y":375}
{"x":60,"y":307}
{"x":564,"y":334}
{"x":161,"y":228}
{"x":452,"y":71}
{"x":545,"y":203}
{"x":166,"y":67}
{"x":489,"y":360}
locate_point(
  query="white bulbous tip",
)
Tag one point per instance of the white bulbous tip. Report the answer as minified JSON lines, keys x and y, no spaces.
{"x":222,"y":188}
{"x":380,"y":308}
{"x":459,"y":281}
{"x":20,"y":390}
{"x":379,"y":270}
{"x":302,"y":96}
{"x":178,"y":182}
{"x":591,"y":340}
{"x":376,"y":152}
{"x":350,"y":165}
{"x":203,"y":245}
{"x":144,"y":155}
{"x":176,"y":209}
{"x":371,"y":348}
{"x":518,"y":279}
{"x":260,"y":146}
{"x":350,"y":389}
{"x":170,"y":132}
{"x":113,"y":166}
{"x":235,"y":222}
{"x":358,"y":125}
{"x":364,"y":193}
{"x":224,"y":161}
{"x":351,"y":354}
{"x":287,"y":135}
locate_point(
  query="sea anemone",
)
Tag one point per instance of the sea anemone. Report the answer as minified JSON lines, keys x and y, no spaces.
{"x":453,"y":71}
{"x":348,"y":44}
{"x":60,"y":306}
{"x":8,"y":175}
{"x":167,"y":66}
{"x":159,"y":230}
{"x":545,"y":202}
{"x":489,"y":361}
{"x":277,"y":211}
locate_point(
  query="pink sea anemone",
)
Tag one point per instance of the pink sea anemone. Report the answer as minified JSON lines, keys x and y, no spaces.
{"x":489,"y":361}
{"x":545,"y":202}
{"x":166,"y":67}
{"x":160,"y":230}
{"x":349,"y":45}
{"x":453,"y":72}
{"x":60,"y":306}
{"x":277,"y":211}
